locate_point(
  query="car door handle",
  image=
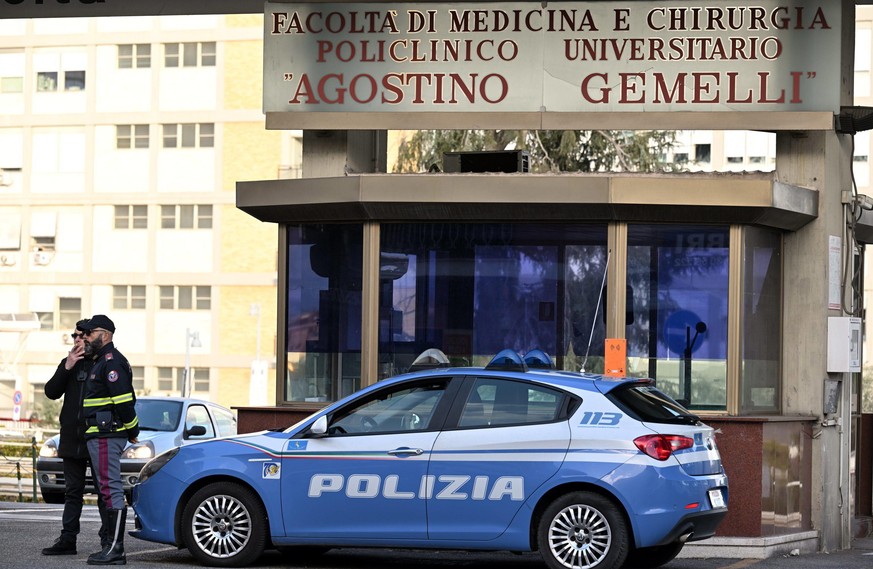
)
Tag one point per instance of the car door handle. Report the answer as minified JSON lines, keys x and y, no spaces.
{"x":401,"y":451}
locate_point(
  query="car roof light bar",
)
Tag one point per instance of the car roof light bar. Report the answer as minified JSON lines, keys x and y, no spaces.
{"x":430,"y":359}
{"x":507,"y":360}
{"x":538,"y":359}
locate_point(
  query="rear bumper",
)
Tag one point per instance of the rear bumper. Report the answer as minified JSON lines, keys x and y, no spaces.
{"x":696,"y":526}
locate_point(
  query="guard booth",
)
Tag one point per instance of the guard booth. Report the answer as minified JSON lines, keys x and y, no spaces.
{"x":723,"y":285}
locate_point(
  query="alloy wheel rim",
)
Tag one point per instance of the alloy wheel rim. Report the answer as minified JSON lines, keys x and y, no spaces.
{"x":579,"y":537}
{"x":222,"y":526}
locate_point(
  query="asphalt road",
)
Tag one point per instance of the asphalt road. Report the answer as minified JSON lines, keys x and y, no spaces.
{"x":26,"y":528}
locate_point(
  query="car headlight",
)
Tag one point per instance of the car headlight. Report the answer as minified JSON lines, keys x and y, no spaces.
{"x":49,"y":449}
{"x":140,"y":451}
{"x":156,"y":464}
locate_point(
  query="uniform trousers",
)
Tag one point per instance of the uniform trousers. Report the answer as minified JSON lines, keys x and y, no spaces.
{"x":106,"y":464}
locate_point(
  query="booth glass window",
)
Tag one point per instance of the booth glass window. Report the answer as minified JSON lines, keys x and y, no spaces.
{"x":761,"y":321}
{"x":677,"y":277}
{"x":323,"y":311}
{"x":472,"y":290}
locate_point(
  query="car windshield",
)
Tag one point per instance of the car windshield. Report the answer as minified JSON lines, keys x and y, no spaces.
{"x":158,"y":415}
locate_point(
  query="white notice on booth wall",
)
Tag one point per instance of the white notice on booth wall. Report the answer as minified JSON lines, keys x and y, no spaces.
{"x":834,"y":249}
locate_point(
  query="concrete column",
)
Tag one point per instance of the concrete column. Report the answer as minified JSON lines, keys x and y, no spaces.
{"x":328,"y":153}
{"x":821,"y":160}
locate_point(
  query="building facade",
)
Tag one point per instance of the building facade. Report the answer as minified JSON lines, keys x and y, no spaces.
{"x":121,"y":140}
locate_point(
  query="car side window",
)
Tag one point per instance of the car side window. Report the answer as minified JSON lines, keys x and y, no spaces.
{"x":403,"y":408}
{"x":501,"y":402}
{"x":198,"y":415}
{"x":225,"y":422}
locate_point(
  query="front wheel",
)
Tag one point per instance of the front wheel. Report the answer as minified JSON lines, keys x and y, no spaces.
{"x":582,"y":530}
{"x":224,"y":525}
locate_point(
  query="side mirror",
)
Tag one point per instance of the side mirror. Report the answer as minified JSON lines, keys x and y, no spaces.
{"x":319,"y":427}
{"x":195,"y":431}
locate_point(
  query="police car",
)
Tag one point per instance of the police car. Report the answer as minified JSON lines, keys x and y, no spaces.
{"x":591,"y":471}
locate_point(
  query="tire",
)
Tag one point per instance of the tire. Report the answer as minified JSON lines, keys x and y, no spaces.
{"x":52,"y":497}
{"x":224,"y":525}
{"x":650,"y":557}
{"x":583,"y":530}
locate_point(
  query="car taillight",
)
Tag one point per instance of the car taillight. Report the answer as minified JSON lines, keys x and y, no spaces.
{"x":660,"y":447}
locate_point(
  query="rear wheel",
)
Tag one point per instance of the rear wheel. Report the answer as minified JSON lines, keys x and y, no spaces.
{"x":582,"y":530}
{"x":650,"y":557}
{"x":224,"y":525}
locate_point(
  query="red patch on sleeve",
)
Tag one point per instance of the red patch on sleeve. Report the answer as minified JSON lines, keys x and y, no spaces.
{"x":109,"y":356}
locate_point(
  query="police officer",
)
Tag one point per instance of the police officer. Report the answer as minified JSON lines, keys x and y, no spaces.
{"x":110,"y":422}
{"x":69,"y":382}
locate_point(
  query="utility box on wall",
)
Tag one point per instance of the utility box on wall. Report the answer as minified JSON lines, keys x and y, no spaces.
{"x":844,"y":344}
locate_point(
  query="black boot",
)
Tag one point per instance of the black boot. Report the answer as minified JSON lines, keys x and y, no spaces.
{"x":61,"y":547}
{"x":113,"y":553}
{"x":103,"y":533}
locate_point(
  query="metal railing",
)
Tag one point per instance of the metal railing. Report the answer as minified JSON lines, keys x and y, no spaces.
{"x":18,"y":473}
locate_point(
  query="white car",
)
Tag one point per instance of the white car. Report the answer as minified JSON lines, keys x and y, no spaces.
{"x":164,"y":423}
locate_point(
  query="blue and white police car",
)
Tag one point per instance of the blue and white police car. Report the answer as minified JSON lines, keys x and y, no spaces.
{"x":591,"y":471}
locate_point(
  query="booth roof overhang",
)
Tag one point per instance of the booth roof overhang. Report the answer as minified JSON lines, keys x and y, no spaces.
{"x":751,"y":199}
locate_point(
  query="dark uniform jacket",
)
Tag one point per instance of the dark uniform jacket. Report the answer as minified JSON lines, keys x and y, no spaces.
{"x":108,"y":404}
{"x":70,"y":384}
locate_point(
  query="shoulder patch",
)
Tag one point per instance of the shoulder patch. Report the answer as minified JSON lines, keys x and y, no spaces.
{"x":109,"y":356}
{"x":112,"y":376}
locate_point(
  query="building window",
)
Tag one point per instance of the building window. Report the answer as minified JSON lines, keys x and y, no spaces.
{"x":680,"y":158}
{"x":702,"y":153}
{"x":189,"y":54}
{"x":74,"y":80}
{"x":69,"y":312}
{"x":761,"y":314}
{"x":138,"y":55}
{"x":185,"y":297}
{"x":734,"y":159}
{"x":678,"y":291}
{"x":200,"y":380}
{"x":11,"y":84}
{"x":189,"y":135}
{"x":196,"y":216}
{"x":131,"y":136}
{"x":173,"y":379}
{"x":46,"y":320}
{"x":170,"y":378}
{"x":138,"y":379}
{"x":129,"y":297}
{"x":47,"y":81}
{"x":131,"y":217}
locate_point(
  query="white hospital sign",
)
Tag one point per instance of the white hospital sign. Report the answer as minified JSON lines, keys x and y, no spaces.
{"x":557,"y":57}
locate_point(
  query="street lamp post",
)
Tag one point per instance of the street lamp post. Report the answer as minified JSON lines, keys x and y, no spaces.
{"x":192,"y":340}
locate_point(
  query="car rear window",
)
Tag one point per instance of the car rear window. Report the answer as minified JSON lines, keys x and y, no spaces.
{"x":649,"y":404}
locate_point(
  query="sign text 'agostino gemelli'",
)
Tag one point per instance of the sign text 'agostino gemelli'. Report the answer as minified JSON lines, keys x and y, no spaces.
{"x":775,"y":55}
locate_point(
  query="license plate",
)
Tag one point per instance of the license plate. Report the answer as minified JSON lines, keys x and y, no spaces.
{"x":716,"y":498}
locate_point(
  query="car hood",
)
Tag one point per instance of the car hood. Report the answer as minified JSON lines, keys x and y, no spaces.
{"x":161,"y":440}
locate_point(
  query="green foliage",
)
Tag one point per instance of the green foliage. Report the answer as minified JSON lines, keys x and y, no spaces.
{"x":550,"y":150}
{"x":48,"y":412}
